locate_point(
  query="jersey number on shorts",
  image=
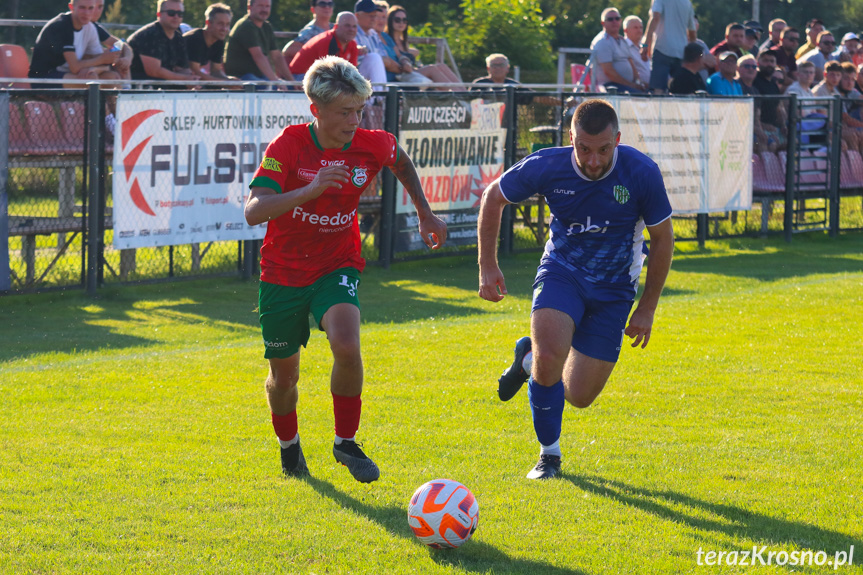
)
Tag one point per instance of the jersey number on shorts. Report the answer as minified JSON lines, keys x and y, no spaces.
{"x":352,"y":287}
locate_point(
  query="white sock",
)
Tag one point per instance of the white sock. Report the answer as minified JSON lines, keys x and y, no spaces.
{"x":290,"y":442}
{"x":527,"y":362}
{"x":340,"y":439}
{"x":553,"y":449}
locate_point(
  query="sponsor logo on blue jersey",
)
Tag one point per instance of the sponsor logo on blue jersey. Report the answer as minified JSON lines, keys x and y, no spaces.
{"x":579,"y":228}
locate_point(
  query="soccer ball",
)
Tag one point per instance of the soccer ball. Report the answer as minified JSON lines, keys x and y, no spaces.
{"x":443,"y":513}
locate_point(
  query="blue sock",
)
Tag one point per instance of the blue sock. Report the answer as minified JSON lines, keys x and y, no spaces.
{"x":546,"y":404}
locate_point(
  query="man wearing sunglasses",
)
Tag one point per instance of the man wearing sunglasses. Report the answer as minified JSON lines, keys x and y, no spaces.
{"x":159,"y":48}
{"x":784,"y":52}
{"x":322,"y":12}
{"x":826,"y":45}
{"x":612,"y":62}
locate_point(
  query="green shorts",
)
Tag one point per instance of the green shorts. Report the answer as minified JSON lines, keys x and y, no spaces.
{"x":284,"y":311}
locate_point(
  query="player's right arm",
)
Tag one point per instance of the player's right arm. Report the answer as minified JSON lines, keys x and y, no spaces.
{"x":264,"y":204}
{"x":491,"y":283}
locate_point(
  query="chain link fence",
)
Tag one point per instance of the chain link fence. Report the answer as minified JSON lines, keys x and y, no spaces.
{"x":143,"y":216}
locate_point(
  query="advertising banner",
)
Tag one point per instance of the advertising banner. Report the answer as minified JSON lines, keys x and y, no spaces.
{"x":183,"y":162}
{"x":703,"y":147}
{"x":457,"y":146}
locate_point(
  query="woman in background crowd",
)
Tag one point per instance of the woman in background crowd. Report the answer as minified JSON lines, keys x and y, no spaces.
{"x":397,"y":29}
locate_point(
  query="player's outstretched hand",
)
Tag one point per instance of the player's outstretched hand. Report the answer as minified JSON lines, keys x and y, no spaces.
{"x":640,"y":325}
{"x":433,"y":231}
{"x":492,"y":286}
{"x":329,"y":177}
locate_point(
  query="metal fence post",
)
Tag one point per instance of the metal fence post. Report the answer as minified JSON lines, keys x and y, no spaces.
{"x":95,"y":241}
{"x":388,"y":194}
{"x":248,"y":248}
{"x":835,"y":159}
{"x":790,"y":168}
{"x":508,"y":218}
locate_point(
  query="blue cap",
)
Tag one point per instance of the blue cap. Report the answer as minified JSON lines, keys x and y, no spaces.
{"x":365,"y":6}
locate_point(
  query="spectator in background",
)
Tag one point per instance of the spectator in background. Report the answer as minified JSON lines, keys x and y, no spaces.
{"x":613,"y":65}
{"x":822,"y":55}
{"x":322,"y":13}
{"x":688,"y":79}
{"x":372,"y":64}
{"x":206,"y":46}
{"x":784,"y":54}
{"x":735,"y":34}
{"x":68,"y":48}
{"x":805,"y":78}
{"x":849,"y":51}
{"x":813,"y":28}
{"x":339,"y":41}
{"x":251,"y":53}
{"x":633,"y":30}
{"x":404,"y":61}
{"x":775,"y":28}
{"x":670,"y":27}
{"x":747,"y":70}
{"x":723,"y":82}
{"x":750,"y":41}
{"x":754,"y":25}
{"x":123,"y":65}
{"x":708,"y":59}
{"x":774,"y":118}
{"x":160,"y":52}
{"x":829,"y":87}
{"x":851,"y":97}
{"x":860,"y":77}
{"x":397,"y":31}
{"x":832,"y":76}
{"x":497,"y":66}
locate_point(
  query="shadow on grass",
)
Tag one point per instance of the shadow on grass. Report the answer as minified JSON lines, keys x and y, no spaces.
{"x":736,"y":522}
{"x":476,"y":556}
{"x":771,"y":266}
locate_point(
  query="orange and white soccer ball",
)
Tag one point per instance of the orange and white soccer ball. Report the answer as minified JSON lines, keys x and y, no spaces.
{"x":443,"y":513}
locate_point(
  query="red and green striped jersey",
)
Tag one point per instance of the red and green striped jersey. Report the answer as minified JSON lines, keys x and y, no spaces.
{"x":321,"y":235}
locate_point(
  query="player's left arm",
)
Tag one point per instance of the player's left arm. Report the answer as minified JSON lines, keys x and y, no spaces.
{"x":432,"y":228}
{"x":658,"y":264}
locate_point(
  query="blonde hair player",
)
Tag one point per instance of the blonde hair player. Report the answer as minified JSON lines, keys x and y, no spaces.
{"x":308,"y":188}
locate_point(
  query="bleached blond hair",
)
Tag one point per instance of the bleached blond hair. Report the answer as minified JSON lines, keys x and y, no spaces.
{"x":331,"y":77}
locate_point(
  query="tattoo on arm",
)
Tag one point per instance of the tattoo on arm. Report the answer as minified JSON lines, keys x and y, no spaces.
{"x":407,"y":174}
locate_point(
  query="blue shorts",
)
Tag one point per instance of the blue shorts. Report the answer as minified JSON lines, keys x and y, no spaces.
{"x":662,"y":69}
{"x":599,"y":311}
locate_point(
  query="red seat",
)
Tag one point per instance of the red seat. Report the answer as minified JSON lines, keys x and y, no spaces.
{"x":73,"y":121}
{"x":576,"y":71}
{"x":45,"y":132}
{"x":759,"y":176}
{"x":852,"y":170}
{"x":774,"y":170}
{"x":808,"y":163}
{"x":19,"y":139}
{"x":14,"y":63}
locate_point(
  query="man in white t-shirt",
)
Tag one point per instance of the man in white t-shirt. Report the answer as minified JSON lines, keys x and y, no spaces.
{"x":633,"y":30}
{"x":68,"y":48}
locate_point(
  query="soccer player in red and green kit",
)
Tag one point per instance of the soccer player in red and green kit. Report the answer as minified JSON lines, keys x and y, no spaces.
{"x":308,"y":188}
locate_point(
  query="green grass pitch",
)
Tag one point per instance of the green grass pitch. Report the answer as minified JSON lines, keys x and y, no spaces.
{"x":136,"y":437}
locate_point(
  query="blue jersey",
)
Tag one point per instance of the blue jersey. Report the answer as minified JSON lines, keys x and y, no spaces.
{"x":597,"y":228}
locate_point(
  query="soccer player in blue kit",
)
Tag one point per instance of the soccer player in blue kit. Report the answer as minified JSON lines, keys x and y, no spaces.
{"x":602,"y":195}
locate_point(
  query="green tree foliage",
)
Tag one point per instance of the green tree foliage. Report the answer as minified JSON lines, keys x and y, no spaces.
{"x":481,"y":27}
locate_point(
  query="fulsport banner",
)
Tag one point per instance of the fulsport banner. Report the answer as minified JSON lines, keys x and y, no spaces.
{"x":183,"y":163}
{"x":457,"y":145}
{"x":702,"y":146}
